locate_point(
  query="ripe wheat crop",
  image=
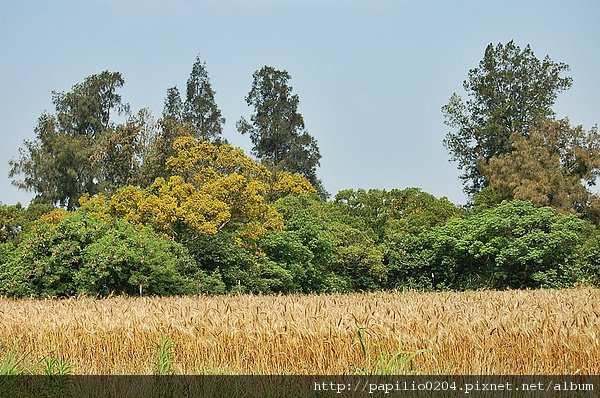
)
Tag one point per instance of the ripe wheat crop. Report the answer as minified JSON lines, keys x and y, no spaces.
{"x":484,"y":332}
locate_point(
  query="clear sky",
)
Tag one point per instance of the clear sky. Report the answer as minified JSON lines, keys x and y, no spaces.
{"x":371,"y":75}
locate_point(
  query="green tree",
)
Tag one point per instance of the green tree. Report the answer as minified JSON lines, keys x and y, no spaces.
{"x":173,"y":107}
{"x":276,"y":128}
{"x":224,"y":266}
{"x":408,"y":211}
{"x":160,"y":147}
{"x":345,"y":254}
{"x":121,"y":153}
{"x":515,"y":245}
{"x":83,"y":254}
{"x":305,"y":250}
{"x":200,"y":109}
{"x":57,"y":164}
{"x":87,"y":108}
{"x":507,"y":92}
{"x":133,"y":261}
{"x":288,"y":265}
{"x":198,"y":116}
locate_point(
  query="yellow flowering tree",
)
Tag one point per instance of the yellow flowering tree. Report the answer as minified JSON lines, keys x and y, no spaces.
{"x":214,"y":187}
{"x":170,"y":204}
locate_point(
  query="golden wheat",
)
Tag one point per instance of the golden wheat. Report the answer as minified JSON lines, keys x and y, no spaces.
{"x":484,"y":332}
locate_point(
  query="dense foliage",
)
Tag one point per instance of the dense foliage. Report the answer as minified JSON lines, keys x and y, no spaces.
{"x":554,"y":166}
{"x":321,"y":247}
{"x":514,"y":245}
{"x":168,"y":207}
{"x":83,"y":254}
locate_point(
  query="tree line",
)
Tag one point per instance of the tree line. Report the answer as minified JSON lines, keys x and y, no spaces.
{"x":168,"y":206}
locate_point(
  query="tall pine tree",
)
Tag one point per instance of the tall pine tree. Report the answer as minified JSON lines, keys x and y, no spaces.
{"x":200,"y":109}
{"x":198,"y":116}
{"x":277,"y":129}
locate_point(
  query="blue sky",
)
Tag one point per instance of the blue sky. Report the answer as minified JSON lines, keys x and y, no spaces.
{"x":371,"y":75}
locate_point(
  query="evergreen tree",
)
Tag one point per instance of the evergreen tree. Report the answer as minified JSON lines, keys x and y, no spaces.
{"x":199,"y":109}
{"x":198,"y":116}
{"x":507,"y":91}
{"x":173,"y":108}
{"x":277,"y":129}
{"x":58,"y":164}
{"x":170,"y":126}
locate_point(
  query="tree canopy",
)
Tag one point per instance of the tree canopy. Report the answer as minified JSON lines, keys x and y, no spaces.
{"x":168,"y":206}
{"x":276,"y":128}
{"x":198,"y":115}
{"x":200,"y":108}
{"x":57,"y":164}
{"x":214,"y":188}
{"x":553,"y":166}
{"x":507,"y":92}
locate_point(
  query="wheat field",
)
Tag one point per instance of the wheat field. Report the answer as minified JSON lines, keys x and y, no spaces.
{"x":483,"y":332}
